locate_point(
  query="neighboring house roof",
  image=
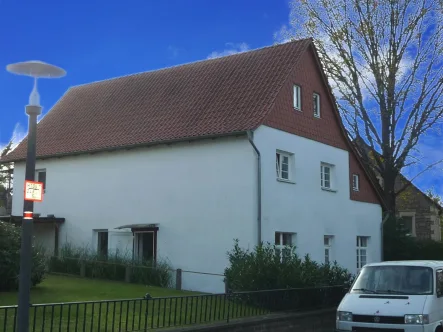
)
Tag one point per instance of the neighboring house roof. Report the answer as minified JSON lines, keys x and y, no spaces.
{"x":214,"y":97}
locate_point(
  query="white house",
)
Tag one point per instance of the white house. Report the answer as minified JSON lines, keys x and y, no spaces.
{"x":177,"y":163}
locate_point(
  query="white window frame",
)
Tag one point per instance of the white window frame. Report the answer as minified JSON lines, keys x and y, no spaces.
{"x":42,"y":170}
{"x":323,"y":166}
{"x":316,"y":102}
{"x":409,"y":214}
{"x":356,"y":182}
{"x":297,"y":97}
{"x":362,"y":251}
{"x":279,"y":156}
{"x":328,"y":241}
{"x":280,"y":247}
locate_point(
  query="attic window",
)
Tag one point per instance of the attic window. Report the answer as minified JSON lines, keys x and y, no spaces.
{"x":297,"y":97}
{"x":316,"y":100}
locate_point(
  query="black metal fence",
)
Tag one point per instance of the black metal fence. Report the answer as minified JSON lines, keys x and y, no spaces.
{"x":144,"y":314}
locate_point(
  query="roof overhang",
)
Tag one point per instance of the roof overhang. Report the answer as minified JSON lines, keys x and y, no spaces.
{"x":36,"y":220}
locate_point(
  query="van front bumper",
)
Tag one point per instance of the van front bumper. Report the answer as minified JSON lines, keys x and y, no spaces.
{"x":370,"y":327}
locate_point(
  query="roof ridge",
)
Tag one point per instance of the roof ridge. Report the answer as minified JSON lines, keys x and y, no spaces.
{"x":190,"y":63}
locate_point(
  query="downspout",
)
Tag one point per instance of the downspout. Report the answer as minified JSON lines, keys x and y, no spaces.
{"x":381,"y":234}
{"x":250,"y":138}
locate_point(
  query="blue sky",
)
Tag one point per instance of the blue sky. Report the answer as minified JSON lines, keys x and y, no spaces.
{"x":96,"y":39}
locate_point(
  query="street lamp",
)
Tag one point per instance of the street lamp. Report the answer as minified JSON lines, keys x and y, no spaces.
{"x":36,"y":70}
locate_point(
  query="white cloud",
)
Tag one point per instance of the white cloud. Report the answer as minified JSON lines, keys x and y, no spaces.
{"x":231,"y":48}
{"x":18,"y":135}
{"x":173,"y":51}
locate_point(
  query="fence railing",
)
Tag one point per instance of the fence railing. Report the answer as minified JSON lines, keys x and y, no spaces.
{"x":143,"y":314}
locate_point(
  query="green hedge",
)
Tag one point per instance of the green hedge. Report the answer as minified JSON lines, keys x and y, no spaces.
{"x":10,"y":242}
{"x":262,"y":269}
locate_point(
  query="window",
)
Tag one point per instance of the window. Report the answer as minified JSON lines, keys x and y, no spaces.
{"x":355,"y":182}
{"x":282,"y":243}
{"x":362,"y":253}
{"x":316,"y":105}
{"x":328,"y":246}
{"x":102,"y":243}
{"x":407,"y":220}
{"x":326,"y":176}
{"x":439,"y":282}
{"x":40,"y":176}
{"x":283,"y":161}
{"x":297,"y":97}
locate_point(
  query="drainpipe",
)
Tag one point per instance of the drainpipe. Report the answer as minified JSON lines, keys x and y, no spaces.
{"x":250,"y":138}
{"x":381,"y":234}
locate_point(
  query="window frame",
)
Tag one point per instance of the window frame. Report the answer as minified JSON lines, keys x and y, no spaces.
{"x":296,"y":97}
{"x":409,"y":214}
{"x":356,"y":184}
{"x":324,"y":165}
{"x":328,"y":248}
{"x":279,"y":155}
{"x":100,"y":233}
{"x":37,"y":175}
{"x":360,"y":248}
{"x":280,"y":248}
{"x":317,"y":104}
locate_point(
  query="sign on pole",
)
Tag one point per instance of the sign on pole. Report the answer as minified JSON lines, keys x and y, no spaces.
{"x":33,"y":191}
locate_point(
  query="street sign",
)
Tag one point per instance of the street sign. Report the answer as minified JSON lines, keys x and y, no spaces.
{"x":33,"y":191}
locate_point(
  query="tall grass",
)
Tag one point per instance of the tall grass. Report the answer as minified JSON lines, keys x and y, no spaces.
{"x":72,"y":260}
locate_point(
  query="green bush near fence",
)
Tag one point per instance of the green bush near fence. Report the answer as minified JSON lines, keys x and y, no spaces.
{"x":81,"y":261}
{"x":10,"y":241}
{"x":264,"y":268}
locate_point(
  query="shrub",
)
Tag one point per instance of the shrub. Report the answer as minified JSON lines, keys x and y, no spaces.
{"x":263,"y":269}
{"x":10,"y":242}
{"x":111,"y":267}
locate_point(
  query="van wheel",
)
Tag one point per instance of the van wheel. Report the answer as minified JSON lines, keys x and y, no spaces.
{"x":439,"y":329}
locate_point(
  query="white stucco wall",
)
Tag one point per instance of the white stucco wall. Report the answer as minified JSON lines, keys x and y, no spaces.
{"x":307,"y":210}
{"x":202,"y":195}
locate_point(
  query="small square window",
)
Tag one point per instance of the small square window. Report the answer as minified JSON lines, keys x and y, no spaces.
{"x":283,"y":165}
{"x":316,"y":100}
{"x":297,"y":97}
{"x":355,"y":182}
{"x":326,"y":176}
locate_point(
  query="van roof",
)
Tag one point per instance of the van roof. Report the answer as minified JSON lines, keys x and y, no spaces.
{"x":427,"y":263}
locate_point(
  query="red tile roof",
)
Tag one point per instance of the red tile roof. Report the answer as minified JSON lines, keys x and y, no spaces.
{"x":213,"y":97}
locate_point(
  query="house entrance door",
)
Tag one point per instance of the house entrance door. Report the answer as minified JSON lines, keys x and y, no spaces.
{"x":145,"y":244}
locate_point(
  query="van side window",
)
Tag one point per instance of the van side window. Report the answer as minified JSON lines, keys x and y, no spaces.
{"x":439,"y":282}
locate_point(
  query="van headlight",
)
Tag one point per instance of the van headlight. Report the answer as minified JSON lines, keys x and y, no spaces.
{"x":344,"y":316}
{"x":417,"y":319}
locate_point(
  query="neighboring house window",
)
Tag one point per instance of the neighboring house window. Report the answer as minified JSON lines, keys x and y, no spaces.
{"x":316,"y":105}
{"x":283,"y":165}
{"x":41,"y":177}
{"x":102,"y":243}
{"x":326,"y":175}
{"x":297,"y":97}
{"x":283,"y":240}
{"x":362,"y":251}
{"x":328,"y":247}
{"x":355,"y":182}
{"x":408,"y":222}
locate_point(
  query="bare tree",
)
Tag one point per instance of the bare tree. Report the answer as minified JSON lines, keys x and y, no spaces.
{"x":5,"y":175}
{"x":384,"y":61}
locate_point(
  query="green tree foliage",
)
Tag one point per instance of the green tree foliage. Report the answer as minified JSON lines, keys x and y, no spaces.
{"x":262,"y":269}
{"x":10,"y":237}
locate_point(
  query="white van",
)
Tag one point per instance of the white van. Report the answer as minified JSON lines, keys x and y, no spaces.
{"x":403,"y":296}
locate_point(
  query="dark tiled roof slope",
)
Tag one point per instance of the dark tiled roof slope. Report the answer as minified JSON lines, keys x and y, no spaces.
{"x":213,"y":97}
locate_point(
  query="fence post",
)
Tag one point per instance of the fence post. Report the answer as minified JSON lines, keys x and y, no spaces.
{"x":128,"y":273}
{"x":82,"y":269}
{"x":178,"y":279}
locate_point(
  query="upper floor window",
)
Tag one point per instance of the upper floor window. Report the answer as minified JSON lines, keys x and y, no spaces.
{"x":297,"y":97}
{"x":355,"y":182}
{"x":40,"y":176}
{"x":326,"y":175}
{"x":407,"y":220}
{"x":362,"y":251}
{"x":316,"y":105}
{"x":283,"y":165}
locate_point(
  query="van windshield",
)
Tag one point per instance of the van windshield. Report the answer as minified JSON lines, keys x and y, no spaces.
{"x":403,"y":280}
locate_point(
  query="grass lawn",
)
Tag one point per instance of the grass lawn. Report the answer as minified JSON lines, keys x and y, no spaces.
{"x":169,"y":308}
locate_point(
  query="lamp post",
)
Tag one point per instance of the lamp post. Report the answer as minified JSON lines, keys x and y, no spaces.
{"x":36,"y":70}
